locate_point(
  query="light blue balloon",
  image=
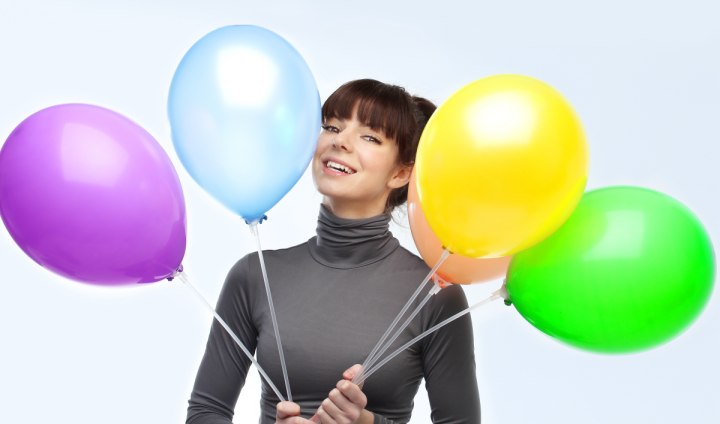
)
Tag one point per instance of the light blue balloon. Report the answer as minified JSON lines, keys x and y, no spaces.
{"x":244,"y":112}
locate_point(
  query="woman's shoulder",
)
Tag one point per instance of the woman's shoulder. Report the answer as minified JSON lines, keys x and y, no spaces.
{"x":447,"y":301}
{"x":284,"y":254}
{"x":251,"y":260}
{"x":407,"y":259}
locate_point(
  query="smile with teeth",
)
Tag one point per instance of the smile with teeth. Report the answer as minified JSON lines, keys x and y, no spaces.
{"x":338,"y":167}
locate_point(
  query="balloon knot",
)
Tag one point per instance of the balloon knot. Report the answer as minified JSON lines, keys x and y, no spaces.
{"x":256,"y":221}
{"x":175,"y":273}
{"x":503,"y":294}
{"x":440,"y":282}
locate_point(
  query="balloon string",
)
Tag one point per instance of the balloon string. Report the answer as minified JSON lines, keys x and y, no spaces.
{"x":499,"y":294}
{"x":414,"y":296}
{"x":184,"y":278}
{"x":254,"y":230}
{"x":431,"y":293}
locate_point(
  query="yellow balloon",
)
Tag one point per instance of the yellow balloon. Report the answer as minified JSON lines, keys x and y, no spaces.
{"x":500,"y":166}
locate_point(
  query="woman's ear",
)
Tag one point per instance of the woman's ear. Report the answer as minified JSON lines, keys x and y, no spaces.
{"x":401,"y":176}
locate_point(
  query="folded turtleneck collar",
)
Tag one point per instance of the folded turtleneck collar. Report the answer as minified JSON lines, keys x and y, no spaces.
{"x":351,"y":243}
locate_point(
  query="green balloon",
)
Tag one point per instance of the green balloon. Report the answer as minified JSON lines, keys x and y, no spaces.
{"x":629,"y":270}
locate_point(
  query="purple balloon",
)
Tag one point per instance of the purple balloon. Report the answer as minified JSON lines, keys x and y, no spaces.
{"x":90,"y":195}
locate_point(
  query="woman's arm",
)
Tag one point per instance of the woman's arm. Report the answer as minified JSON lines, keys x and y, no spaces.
{"x":449,"y":362}
{"x":224,"y":366}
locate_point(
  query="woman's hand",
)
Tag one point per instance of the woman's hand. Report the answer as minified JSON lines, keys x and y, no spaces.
{"x":345,"y":404}
{"x":289,"y":413}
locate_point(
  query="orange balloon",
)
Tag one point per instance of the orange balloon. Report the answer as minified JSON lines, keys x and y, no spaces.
{"x":456,"y":269}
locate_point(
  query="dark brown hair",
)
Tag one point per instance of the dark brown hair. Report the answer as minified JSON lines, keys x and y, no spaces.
{"x":387,"y":108}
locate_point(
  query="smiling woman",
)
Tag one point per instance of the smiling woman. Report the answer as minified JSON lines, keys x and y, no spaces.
{"x":337,"y":293}
{"x":369,"y":132}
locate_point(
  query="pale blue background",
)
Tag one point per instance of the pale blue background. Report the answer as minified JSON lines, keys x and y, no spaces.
{"x":644,"y":76}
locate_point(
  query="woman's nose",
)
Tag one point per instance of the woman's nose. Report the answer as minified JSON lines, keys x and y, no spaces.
{"x":340,"y":141}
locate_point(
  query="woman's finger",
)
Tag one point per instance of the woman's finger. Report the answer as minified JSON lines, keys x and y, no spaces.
{"x":287,"y":409}
{"x":341,"y":401}
{"x":333,"y":410}
{"x":289,"y":413}
{"x":352,"y":392}
{"x":325,"y":418}
{"x":351,"y":372}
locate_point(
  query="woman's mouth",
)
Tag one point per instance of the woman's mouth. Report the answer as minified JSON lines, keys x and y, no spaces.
{"x":332,"y":165}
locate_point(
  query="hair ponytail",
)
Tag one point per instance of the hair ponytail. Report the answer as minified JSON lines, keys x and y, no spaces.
{"x":422,"y":110}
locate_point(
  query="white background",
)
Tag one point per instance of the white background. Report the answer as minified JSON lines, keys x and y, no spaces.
{"x":643,"y":76}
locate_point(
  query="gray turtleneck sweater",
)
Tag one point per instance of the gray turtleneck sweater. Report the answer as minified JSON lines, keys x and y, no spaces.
{"x":334,"y":296}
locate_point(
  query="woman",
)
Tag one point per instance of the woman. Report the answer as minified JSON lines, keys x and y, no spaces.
{"x":336,"y":294}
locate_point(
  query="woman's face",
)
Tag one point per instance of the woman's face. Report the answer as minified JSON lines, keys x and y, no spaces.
{"x":356,"y":167}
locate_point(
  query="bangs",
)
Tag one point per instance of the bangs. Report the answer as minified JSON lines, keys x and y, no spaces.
{"x":379,"y":106}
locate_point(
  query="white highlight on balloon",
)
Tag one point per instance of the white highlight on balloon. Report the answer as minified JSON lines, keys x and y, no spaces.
{"x":90,"y":156}
{"x":246,"y":76}
{"x":627,"y":226}
{"x":505,"y":118}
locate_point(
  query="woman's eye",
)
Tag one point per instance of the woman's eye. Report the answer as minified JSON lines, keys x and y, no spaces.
{"x":330,"y":128}
{"x":373,"y":139}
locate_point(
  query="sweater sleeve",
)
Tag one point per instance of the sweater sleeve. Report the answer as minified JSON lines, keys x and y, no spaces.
{"x":224,"y":366}
{"x":449,"y":362}
{"x":379,"y":419}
